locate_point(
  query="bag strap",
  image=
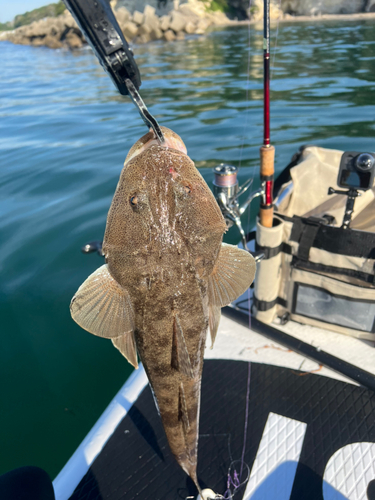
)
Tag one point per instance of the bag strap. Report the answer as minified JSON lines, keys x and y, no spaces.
{"x":348,"y":242}
{"x":309,"y":231}
{"x":264,"y":305}
{"x":324,"y":269}
{"x":270,"y":252}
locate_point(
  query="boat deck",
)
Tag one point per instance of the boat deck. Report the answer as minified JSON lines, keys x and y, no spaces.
{"x":308,"y":427}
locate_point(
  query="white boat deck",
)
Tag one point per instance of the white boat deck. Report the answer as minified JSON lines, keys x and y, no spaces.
{"x":235,"y":341}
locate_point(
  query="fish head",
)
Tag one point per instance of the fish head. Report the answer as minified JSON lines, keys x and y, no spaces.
{"x":163,"y":206}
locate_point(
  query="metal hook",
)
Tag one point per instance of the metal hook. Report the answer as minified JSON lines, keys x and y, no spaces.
{"x":144,"y":112}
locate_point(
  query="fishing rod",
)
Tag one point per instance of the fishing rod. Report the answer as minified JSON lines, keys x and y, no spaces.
{"x":267,"y":151}
{"x":226,"y":188}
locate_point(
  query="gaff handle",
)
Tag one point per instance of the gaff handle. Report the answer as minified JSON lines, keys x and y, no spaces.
{"x":100,"y":27}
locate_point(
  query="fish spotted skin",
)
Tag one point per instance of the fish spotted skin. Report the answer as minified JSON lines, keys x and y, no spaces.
{"x":166,"y":277}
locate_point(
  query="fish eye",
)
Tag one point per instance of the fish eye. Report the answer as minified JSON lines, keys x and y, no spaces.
{"x":187,"y":189}
{"x":134,"y":200}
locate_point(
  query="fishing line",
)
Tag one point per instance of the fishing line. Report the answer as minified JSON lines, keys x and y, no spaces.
{"x":252,"y":172}
{"x":247,"y":85}
{"x":247,"y":111}
{"x":275,"y":45}
{"x":234,"y":479}
{"x":246,"y":415}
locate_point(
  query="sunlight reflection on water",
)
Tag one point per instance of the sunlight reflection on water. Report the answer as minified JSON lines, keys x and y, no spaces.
{"x":64,"y":135}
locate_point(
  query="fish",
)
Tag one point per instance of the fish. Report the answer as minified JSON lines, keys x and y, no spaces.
{"x":166,"y":276}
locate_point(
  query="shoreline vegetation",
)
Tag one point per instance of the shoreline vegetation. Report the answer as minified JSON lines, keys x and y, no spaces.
{"x":53,"y":26}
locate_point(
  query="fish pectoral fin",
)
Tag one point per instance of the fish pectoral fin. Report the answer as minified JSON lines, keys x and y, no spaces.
{"x":126,"y":345}
{"x":103,"y":307}
{"x":232,"y":275}
{"x":180,"y":359}
{"x":213,"y":321}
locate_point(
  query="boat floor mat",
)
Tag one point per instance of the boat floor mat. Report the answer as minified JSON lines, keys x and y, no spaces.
{"x":309,"y":437}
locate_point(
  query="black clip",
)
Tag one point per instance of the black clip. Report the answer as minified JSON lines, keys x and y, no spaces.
{"x":101,"y":30}
{"x":100,"y":27}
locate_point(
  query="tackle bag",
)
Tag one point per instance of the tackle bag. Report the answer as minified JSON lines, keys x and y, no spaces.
{"x":313,"y":271}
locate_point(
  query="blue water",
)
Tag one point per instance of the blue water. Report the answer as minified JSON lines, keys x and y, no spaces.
{"x":64,"y":134}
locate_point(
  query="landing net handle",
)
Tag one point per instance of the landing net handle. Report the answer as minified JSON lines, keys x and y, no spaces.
{"x":267,"y":151}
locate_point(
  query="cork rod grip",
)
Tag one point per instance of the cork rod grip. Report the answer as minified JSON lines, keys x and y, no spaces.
{"x":267,"y":169}
{"x":266,"y":217}
{"x":267,"y":161}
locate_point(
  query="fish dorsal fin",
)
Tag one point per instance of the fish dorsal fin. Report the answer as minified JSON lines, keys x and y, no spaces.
{"x":213,"y":321}
{"x":182,"y":409}
{"x":103,"y":307}
{"x":232,"y":275}
{"x":180,"y":357}
{"x":126,"y":345}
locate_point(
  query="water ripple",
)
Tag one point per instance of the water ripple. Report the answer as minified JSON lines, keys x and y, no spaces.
{"x":64,"y":134}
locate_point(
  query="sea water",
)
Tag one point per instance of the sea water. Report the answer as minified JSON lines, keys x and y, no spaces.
{"x":64,"y":134}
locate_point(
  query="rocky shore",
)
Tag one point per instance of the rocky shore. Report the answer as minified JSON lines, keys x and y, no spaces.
{"x":178,"y":21}
{"x":138,"y":27}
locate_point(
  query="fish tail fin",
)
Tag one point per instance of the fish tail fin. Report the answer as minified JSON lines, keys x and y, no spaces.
{"x":195,"y":479}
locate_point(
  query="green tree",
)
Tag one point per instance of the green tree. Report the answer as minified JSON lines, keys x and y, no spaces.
{"x":51,"y":10}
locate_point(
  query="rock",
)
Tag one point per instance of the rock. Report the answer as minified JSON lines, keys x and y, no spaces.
{"x":26,"y":41}
{"x":37,"y":29}
{"x":165,"y":23}
{"x":190,"y":27}
{"x":156,"y":34}
{"x":150,"y":18}
{"x":149,"y":11}
{"x":130,"y":30}
{"x":122,"y":15}
{"x":169,"y":36}
{"x":370,"y":7}
{"x":187,"y":11}
{"x":52,"y":42}
{"x":49,"y":31}
{"x":145,"y":38}
{"x":203,"y":24}
{"x":313,"y":8}
{"x":144,"y":29}
{"x":219,"y":18}
{"x":138,"y":17}
{"x":56,"y":28}
{"x":68,"y":19}
{"x":255,"y":13}
{"x":73,"y":40}
{"x":196,"y":6}
{"x":35,"y":42}
{"x":178,"y":21}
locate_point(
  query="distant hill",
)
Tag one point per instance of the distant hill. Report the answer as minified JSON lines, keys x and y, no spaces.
{"x":51,"y":10}
{"x":6,"y":26}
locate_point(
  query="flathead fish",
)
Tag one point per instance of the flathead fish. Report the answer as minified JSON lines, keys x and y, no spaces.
{"x":167,"y":275}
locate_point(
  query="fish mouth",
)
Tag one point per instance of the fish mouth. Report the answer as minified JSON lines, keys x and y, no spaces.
{"x":172,"y":142}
